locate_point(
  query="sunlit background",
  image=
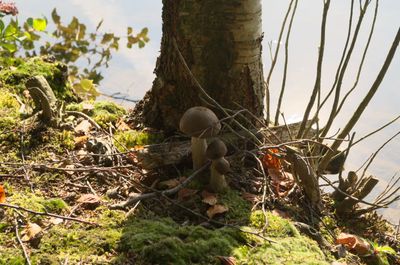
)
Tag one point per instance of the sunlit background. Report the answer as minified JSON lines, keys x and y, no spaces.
{"x":131,"y":70}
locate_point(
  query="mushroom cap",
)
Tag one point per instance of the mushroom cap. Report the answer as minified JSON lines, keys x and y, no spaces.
{"x":216,"y":149}
{"x":222,"y":165}
{"x":199,"y":122}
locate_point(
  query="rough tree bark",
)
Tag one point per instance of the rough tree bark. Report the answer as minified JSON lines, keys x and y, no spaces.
{"x":221,"y":43}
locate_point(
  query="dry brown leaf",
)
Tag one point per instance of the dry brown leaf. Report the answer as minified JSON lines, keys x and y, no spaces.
{"x":185,"y":193}
{"x":227,"y":260}
{"x":83,"y":127}
{"x":81,"y":140}
{"x":171,"y":183}
{"x":216,"y":209}
{"x":250,"y":197}
{"x":55,"y":221}
{"x":354,"y":243}
{"x":209,"y":198}
{"x":280,"y":213}
{"x":122,"y":126}
{"x":89,"y":199}
{"x":2,"y":194}
{"x":30,"y":231}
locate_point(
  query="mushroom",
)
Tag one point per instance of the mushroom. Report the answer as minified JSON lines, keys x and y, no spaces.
{"x":220,"y":166}
{"x":199,"y":123}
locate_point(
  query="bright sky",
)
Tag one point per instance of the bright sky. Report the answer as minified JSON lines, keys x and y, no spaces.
{"x":131,"y":71}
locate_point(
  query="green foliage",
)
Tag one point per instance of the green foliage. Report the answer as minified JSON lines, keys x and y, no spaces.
{"x":132,"y":138}
{"x":16,"y":71}
{"x":69,"y":44}
{"x":162,"y":241}
{"x":104,"y":112}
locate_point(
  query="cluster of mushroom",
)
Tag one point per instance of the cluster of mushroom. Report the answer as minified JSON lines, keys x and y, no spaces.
{"x":201,"y":123}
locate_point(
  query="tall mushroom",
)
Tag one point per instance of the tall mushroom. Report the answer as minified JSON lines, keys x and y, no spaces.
{"x":216,"y":151}
{"x":199,"y":123}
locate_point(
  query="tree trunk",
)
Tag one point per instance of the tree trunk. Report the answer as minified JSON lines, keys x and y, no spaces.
{"x":221,"y":44}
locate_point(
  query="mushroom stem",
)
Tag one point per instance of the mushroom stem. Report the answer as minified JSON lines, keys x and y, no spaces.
{"x":217,"y":180}
{"x":199,"y":147}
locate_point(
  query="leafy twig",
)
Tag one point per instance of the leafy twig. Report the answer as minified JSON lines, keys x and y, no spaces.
{"x":47,"y":214}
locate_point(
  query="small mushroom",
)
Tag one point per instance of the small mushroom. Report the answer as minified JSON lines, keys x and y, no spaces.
{"x":220,"y":166}
{"x":199,"y":123}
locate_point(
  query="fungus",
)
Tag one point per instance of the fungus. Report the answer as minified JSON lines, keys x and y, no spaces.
{"x":199,"y":123}
{"x":220,"y":166}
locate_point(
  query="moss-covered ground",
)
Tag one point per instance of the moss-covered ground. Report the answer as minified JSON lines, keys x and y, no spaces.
{"x":34,"y":163}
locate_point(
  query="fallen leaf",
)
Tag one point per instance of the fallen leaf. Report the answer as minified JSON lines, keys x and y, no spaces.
{"x":270,"y":160}
{"x":55,"y":221}
{"x":89,"y":199}
{"x":250,"y":197}
{"x":185,"y":193}
{"x":30,"y":231}
{"x":171,"y":183}
{"x":282,"y":181}
{"x":209,"y":198}
{"x":81,"y":140}
{"x":227,"y":260}
{"x":216,"y":209}
{"x":83,"y":127}
{"x":280,"y":213}
{"x":122,"y":126}
{"x":2,"y":194}
{"x":354,"y":243}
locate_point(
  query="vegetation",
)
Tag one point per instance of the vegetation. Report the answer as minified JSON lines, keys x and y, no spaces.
{"x":61,"y":183}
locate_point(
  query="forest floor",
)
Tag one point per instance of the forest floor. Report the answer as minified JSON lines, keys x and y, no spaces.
{"x":61,"y":189}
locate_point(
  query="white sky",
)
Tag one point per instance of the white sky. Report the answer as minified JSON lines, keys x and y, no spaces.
{"x":131,"y":71}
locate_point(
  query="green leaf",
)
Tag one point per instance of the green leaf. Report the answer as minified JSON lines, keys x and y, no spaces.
{"x":39,"y":24}
{"x":11,"y":47}
{"x":107,"y":37}
{"x":55,"y":16}
{"x":30,"y":21}
{"x":141,"y":44}
{"x":10,"y":31}
{"x":1,"y":25}
{"x":130,"y":30}
{"x":386,"y":249}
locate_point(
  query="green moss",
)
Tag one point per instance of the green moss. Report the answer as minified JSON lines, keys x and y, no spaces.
{"x":104,"y":112}
{"x":239,"y":209}
{"x":163,"y":241}
{"x":65,"y":140}
{"x":289,"y":251}
{"x":54,"y":205}
{"x":132,"y":138}
{"x":36,"y":202}
{"x":9,"y":110}
{"x":16,"y":71}
{"x":276,"y":226}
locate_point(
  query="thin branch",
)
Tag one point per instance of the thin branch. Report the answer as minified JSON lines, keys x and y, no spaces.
{"x":362,"y":59}
{"x":134,"y":199}
{"x":285,"y":65}
{"x":273,"y":63}
{"x":338,"y":87}
{"x":376,"y":153}
{"x":47,"y":214}
{"x":364,"y":103}
{"x":317,"y":84}
{"x":26,"y":256}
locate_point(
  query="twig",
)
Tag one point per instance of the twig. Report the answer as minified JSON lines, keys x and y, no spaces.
{"x":364,"y":103}
{"x":83,"y":115}
{"x":317,"y":84}
{"x":362,"y":59}
{"x":377,"y":151}
{"x":273,"y":63}
{"x":134,"y":199}
{"x":47,"y":214}
{"x":278,"y":107}
{"x":28,"y":261}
